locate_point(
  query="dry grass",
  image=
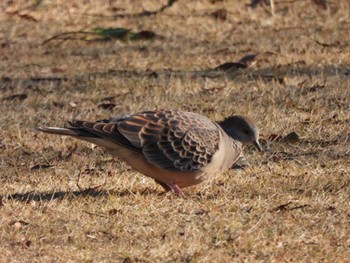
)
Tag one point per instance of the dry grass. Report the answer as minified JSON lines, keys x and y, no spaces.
{"x":290,"y":204}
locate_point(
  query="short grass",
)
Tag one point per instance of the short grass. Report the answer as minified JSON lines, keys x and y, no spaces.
{"x":289,"y":204}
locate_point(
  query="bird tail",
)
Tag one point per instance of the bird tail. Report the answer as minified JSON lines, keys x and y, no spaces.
{"x":59,"y":131}
{"x":80,"y":134}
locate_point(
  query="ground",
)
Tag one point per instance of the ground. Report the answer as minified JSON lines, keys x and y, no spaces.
{"x":63,"y":200}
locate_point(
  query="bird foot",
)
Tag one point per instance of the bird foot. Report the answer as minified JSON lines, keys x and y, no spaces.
{"x":168,"y":187}
{"x":177,"y":190}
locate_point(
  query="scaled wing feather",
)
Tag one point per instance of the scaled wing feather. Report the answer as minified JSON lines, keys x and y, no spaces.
{"x":172,"y":140}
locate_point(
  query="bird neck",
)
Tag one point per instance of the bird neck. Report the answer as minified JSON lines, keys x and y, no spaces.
{"x":226,"y":125}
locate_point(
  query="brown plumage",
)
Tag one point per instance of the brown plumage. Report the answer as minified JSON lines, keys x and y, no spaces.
{"x":177,"y":149}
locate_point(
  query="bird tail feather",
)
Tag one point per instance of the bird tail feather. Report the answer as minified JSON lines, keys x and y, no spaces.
{"x":80,"y":134}
{"x":59,"y":131}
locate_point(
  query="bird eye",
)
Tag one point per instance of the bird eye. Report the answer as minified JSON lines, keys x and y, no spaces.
{"x":245,"y":131}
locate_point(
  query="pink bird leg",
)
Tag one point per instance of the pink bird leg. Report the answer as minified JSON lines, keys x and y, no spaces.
{"x":177,"y":190}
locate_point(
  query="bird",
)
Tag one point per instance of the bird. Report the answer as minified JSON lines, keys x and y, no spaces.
{"x":176,"y":148}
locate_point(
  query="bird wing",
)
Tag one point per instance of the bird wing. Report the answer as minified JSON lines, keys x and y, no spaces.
{"x":171,"y":140}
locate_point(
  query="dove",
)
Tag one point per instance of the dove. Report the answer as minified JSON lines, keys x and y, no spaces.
{"x":177,"y":149}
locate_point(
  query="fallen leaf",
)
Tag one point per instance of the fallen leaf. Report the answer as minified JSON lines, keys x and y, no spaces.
{"x":306,"y":121}
{"x":248,"y":59}
{"x":19,"y":224}
{"x":289,"y":102}
{"x":219,"y":14}
{"x":230,"y":66}
{"x":152,"y":74}
{"x":215,"y":1}
{"x":254,"y":3}
{"x":115,"y":9}
{"x":320,"y":3}
{"x":58,"y":104}
{"x":209,"y":110}
{"x":143,"y":35}
{"x":27,"y":243}
{"x":334,"y":44}
{"x":72,"y":104}
{"x":107,"y":106}
{"x":20,"y":97}
{"x":331,"y":208}
{"x":114,"y":211}
{"x":40,"y":166}
{"x":291,"y":137}
{"x":239,"y":166}
{"x":200,"y":212}
{"x":2,"y":144}
{"x":57,"y":70}
{"x":28,"y":17}
{"x":11,"y":10}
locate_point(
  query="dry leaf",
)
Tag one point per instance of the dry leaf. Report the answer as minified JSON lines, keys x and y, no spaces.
{"x":2,"y":144}
{"x":72,"y":104}
{"x":216,"y":1}
{"x":320,"y":3}
{"x":107,"y":106}
{"x":40,"y":166}
{"x":143,"y":35}
{"x":20,"y":97}
{"x":291,"y":137}
{"x":114,"y":211}
{"x":58,"y":104}
{"x":28,"y":17}
{"x":57,"y":70}
{"x":248,"y":59}
{"x":19,"y":224}
{"x":11,"y":10}
{"x":219,"y":14}
{"x":27,"y":243}
{"x":200,"y":212}
{"x":230,"y":66}
{"x":254,"y":3}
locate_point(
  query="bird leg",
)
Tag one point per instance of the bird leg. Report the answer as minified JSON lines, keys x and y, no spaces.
{"x":168,"y":187}
{"x":177,"y":190}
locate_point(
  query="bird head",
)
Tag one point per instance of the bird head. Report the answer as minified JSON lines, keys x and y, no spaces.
{"x":242,"y":129}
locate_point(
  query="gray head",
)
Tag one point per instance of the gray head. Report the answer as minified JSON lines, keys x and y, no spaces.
{"x":242,"y":129}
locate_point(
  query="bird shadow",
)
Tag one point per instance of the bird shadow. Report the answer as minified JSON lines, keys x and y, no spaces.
{"x":71,"y":195}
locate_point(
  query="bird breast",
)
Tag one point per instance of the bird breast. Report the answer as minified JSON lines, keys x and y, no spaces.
{"x":227,"y":154}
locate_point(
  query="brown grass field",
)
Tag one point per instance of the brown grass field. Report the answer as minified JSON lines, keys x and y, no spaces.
{"x":63,"y":200}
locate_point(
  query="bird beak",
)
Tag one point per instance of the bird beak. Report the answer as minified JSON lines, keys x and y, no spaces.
{"x":257,"y":145}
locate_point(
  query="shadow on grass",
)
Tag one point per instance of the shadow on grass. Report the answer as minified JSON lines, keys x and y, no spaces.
{"x":231,"y":72}
{"x":60,"y":195}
